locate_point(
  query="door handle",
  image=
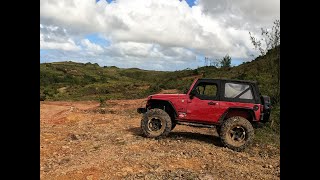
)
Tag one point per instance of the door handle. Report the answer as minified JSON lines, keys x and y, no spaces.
{"x":212,"y":103}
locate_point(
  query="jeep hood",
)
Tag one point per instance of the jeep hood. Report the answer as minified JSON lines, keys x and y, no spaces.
{"x":166,"y":96}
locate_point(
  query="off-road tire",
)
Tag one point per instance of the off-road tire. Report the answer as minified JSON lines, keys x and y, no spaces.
{"x":218,"y":129}
{"x":156,"y":115}
{"x":173,"y":124}
{"x":244,"y":130}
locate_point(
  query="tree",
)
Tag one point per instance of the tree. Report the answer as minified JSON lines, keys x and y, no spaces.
{"x":269,"y":40}
{"x":214,"y":63}
{"x":225,"y":61}
{"x":206,"y":61}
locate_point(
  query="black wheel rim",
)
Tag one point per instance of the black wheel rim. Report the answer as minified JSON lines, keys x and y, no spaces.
{"x":155,"y":125}
{"x":238,"y":134}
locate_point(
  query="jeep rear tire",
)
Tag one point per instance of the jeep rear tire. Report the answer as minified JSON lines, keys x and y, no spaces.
{"x":173,"y":125}
{"x":236,"y":133}
{"x":156,"y":123}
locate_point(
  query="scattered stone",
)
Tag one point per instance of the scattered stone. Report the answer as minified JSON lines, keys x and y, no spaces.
{"x":140,"y":171}
{"x":127,"y":169}
{"x":63,"y":161}
{"x":73,"y":137}
{"x":140,"y":175}
{"x":159,"y":170}
{"x":46,"y":169}
{"x":206,"y":177}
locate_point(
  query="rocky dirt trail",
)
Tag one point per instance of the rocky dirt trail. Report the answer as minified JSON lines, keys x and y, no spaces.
{"x":79,"y":140}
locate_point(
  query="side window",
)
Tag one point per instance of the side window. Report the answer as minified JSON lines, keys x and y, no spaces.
{"x":241,"y":91}
{"x":207,"y":89}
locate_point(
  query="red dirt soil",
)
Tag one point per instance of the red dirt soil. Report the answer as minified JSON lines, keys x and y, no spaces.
{"x":80,"y":140}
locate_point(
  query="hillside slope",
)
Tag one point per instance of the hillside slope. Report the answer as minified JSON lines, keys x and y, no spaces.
{"x":77,"y":81}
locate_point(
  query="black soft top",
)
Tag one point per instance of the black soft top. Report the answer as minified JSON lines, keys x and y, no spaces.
{"x":230,"y":80}
{"x":253,"y":84}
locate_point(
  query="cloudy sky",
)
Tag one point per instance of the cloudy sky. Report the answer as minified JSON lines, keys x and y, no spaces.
{"x":152,"y":34}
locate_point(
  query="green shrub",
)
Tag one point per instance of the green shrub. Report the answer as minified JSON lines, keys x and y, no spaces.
{"x":102,"y":101}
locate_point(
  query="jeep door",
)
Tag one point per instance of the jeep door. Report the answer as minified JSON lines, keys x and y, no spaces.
{"x":204,"y":105}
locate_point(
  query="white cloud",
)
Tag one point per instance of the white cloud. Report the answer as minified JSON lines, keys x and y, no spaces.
{"x":129,"y":49}
{"x":163,"y":30}
{"x":53,"y":37}
{"x":92,"y":47}
{"x":67,"y":46}
{"x":244,"y":14}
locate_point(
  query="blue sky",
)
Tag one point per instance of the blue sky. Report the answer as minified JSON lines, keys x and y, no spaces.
{"x":157,"y":35}
{"x":95,"y":38}
{"x":190,"y":2}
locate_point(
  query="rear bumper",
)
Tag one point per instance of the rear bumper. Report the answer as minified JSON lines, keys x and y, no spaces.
{"x":265,"y":117}
{"x":141,"y":110}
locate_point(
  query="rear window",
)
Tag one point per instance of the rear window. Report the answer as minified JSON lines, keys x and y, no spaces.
{"x":241,"y":91}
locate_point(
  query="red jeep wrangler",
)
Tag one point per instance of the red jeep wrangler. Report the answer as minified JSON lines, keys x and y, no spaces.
{"x":234,"y":107}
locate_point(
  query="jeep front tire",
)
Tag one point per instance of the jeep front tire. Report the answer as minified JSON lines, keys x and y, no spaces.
{"x":156,"y":123}
{"x":236,"y":133}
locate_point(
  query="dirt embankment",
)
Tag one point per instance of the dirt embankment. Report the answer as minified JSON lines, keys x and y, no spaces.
{"x":80,"y":141}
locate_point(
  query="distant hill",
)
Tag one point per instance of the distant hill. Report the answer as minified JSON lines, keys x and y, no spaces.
{"x":78,"y":81}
